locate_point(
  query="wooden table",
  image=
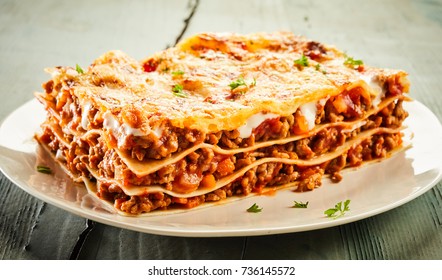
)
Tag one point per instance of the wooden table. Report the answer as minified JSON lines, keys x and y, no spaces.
{"x":35,"y":35}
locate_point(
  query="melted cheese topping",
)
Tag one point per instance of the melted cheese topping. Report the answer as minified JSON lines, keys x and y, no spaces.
{"x":209,"y":63}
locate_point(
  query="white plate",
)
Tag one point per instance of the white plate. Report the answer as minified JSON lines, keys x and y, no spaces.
{"x":372,"y":189}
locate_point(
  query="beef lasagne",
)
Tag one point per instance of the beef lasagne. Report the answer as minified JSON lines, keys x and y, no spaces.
{"x":219,"y":115}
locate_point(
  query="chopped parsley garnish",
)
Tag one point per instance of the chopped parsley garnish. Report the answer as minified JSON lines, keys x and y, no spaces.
{"x":302,"y":62}
{"x":318,"y":68}
{"x":44,"y":169}
{"x":239,"y":82}
{"x":351,"y":62}
{"x":254,"y":208}
{"x":339,"y":210}
{"x":178,"y":72}
{"x":79,"y":69}
{"x":253,"y":83}
{"x":300,"y":204}
{"x":178,"y":91}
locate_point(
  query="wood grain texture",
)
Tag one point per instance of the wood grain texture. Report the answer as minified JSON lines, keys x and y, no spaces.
{"x":408,"y":232}
{"x":395,"y":34}
{"x":32,"y":229}
{"x":106,"y":242}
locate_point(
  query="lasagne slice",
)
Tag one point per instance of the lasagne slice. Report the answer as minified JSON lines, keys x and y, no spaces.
{"x":219,"y":115}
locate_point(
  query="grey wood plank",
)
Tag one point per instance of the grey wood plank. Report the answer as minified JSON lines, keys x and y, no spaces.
{"x":107,"y":242}
{"x":408,"y":232}
{"x":16,"y":223}
{"x":32,"y":229}
{"x":324,"y":244}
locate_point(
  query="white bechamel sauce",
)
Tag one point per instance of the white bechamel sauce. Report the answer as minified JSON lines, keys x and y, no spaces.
{"x":60,"y":156}
{"x":378,"y":98}
{"x":376,"y":88}
{"x":84,"y":115}
{"x":120,"y":131}
{"x":158,"y":132}
{"x":308,"y":110}
{"x":253,"y":122}
{"x":110,"y":122}
{"x":128,"y":130}
{"x":323,"y":101}
{"x":72,"y":108}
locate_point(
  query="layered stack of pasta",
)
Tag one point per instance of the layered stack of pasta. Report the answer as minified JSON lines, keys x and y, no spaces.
{"x":217,"y":116}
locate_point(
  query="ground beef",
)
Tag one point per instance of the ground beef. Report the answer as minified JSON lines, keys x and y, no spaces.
{"x":258,"y":178}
